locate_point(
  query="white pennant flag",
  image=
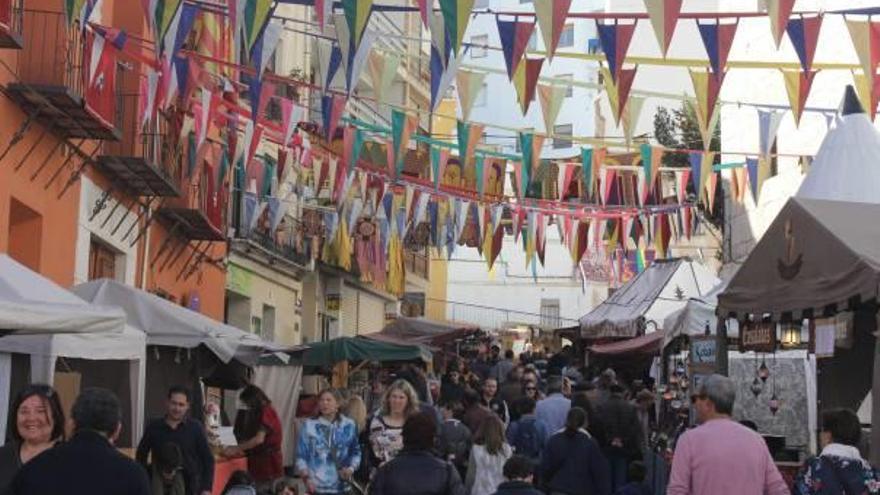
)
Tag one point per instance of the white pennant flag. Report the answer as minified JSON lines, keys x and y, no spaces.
{"x":271,"y":37}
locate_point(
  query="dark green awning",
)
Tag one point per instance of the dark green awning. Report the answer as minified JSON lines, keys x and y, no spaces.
{"x":361,"y":349}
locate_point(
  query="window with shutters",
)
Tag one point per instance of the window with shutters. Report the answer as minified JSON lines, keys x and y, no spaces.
{"x":550,"y":313}
{"x":102,"y":261}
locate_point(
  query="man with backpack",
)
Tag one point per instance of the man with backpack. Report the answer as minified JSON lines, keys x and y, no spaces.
{"x":528,"y":434}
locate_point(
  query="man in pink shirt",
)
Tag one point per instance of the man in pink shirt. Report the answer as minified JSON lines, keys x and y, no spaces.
{"x":722,"y":457}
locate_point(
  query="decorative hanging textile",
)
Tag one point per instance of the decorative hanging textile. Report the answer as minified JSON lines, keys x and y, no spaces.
{"x":797,"y":85}
{"x":352,"y":144}
{"x":707,"y":90}
{"x":402,"y":127}
{"x":551,"y":15}
{"x":357,"y":16}
{"x":530,"y":146}
{"x":442,"y":75}
{"x":618,"y":93}
{"x":682,"y":177}
{"x":592,"y":160}
{"x":804,"y":35}
{"x":615,"y":39}
{"x":768,"y":125}
{"x":779,"y":12}
{"x":456,"y":16}
{"x":717,"y":39}
{"x":424,"y":8}
{"x":525,"y":80}
{"x":552,"y":96}
{"x":354,"y":53}
{"x":265,"y":46}
{"x":332,"y":106}
{"x":329,"y":60}
{"x":469,"y":84}
{"x":631,"y":114}
{"x":868,"y":90}
{"x":514,"y":36}
{"x":439,"y":157}
{"x":752,"y":167}
{"x":652,"y":157}
{"x":468,"y":136}
{"x":382,"y":67}
{"x":323,"y":10}
{"x":866,"y":41}
{"x":664,"y":17}
{"x":256,"y":14}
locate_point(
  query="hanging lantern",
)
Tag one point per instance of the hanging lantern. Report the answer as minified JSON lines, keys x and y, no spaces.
{"x":774,"y":404}
{"x":791,"y":336}
{"x":756,"y":387}
{"x":763,"y":371}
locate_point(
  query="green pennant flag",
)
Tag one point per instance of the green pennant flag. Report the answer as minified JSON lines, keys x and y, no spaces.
{"x":479,"y":165}
{"x":402,"y":127}
{"x":587,"y":170}
{"x":526,"y":141}
{"x":456,"y":16}
{"x":270,"y":165}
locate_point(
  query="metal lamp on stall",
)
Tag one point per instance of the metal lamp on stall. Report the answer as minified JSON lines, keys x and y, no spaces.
{"x":791,"y":336}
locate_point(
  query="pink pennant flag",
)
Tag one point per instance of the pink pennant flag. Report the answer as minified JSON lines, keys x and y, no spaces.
{"x":204,"y":117}
{"x":566,"y":175}
{"x":608,"y":175}
{"x":423,"y":11}
{"x":291,"y":114}
{"x":683,"y":177}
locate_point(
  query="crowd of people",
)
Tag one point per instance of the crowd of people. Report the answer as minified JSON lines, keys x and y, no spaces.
{"x":495,"y":426}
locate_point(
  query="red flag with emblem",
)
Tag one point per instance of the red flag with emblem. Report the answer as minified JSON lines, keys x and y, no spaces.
{"x":100,"y":94}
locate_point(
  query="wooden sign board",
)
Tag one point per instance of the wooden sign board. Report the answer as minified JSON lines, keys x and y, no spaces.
{"x":757,"y":336}
{"x":703,"y":352}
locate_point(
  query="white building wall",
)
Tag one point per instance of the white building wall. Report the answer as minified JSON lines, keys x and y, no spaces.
{"x":100,"y":228}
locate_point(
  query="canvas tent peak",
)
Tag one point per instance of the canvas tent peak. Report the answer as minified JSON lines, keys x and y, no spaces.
{"x":32,"y":304}
{"x":168,"y":324}
{"x":659,"y":290}
{"x":847,"y":165}
{"x":697,"y":313}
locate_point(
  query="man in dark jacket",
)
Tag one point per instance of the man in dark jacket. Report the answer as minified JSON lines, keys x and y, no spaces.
{"x":619,"y":434}
{"x":415,"y":470}
{"x":454,"y":438}
{"x":518,"y":471}
{"x":87,"y":464}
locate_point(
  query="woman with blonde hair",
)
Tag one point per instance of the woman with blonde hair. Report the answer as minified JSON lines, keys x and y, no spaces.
{"x":386,"y":427}
{"x":488,"y":455}
{"x":356,"y":409}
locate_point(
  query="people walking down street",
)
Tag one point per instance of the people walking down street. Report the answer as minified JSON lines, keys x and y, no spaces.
{"x":635,"y":481}
{"x":38,"y":425}
{"x":88,"y":463}
{"x":454,"y":438}
{"x":386,"y":426}
{"x":493,"y":402}
{"x":528,"y":434}
{"x":519,"y":474}
{"x":356,"y":410}
{"x":188,"y":435}
{"x":572,"y":463}
{"x":474,"y":410}
{"x":839,"y":468}
{"x":503,"y":367}
{"x":512,"y":389}
{"x":328,"y":451}
{"x":488,"y":455}
{"x":618,"y":433}
{"x":644,"y":402}
{"x":582,"y":400}
{"x":263,"y":436}
{"x":721,"y":456}
{"x":553,"y":409}
{"x":452,"y":387}
{"x":416,"y":470}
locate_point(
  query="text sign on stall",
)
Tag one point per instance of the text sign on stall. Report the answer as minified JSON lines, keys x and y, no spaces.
{"x":703,"y":353}
{"x":758,"y":337}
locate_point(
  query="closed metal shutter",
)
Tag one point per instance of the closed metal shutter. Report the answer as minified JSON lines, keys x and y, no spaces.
{"x":348,"y":311}
{"x":371,"y":313}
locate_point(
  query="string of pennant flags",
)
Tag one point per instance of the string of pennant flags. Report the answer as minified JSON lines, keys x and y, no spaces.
{"x":463,"y":194}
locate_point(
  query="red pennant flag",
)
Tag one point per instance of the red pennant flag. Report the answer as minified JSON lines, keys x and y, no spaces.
{"x":779,"y":12}
{"x":798,"y":84}
{"x":664,"y":17}
{"x":618,"y":93}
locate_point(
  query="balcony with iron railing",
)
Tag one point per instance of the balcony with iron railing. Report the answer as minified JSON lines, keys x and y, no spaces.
{"x":278,"y":245}
{"x":10,"y":23}
{"x":53,"y":71}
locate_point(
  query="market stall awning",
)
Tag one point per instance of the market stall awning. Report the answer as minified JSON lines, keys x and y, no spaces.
{"x":169,"y":324}
{"x":361,"y":349}
{"x":697,"y":313}
{"x":32,"y":304}
{"x":659,"y":290}
{"x":423,"y":331}
{"x":645,"y":345}
{"x":816,"y":255}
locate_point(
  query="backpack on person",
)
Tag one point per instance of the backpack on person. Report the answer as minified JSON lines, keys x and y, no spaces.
{"x":526,"y":441}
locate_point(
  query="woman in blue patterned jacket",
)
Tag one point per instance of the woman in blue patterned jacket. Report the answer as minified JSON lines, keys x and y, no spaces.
{"x":328,"y":450}
{"x":839,"y":469}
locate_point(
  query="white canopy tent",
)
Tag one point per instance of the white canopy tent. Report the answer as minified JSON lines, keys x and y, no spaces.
{"x":106,"y":337}
{"x":172,"y":325}
{"x":25,"y":308}
{"x":846,"y":168}
{"x":698,"y":312}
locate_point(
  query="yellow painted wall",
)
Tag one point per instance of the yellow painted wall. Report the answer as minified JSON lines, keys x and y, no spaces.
{"x":435,"y":305}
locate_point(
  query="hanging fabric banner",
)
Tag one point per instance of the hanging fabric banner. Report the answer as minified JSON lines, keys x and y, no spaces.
{"x":711,"y":186}
{"x":329,"y":60}
{"x":525,"y":80}
{"x":442,"y":76}
{"x":354,"y":51}
{"x":402,"y":126}
{"x":768,"y":126}
{"x":332,"y":107}
{"x":551,"y":15}
{"x":256,"y":14}
{"x":264,"y":48}
{"x":797,"y":85}
{"x":664,"y":17}
{"x":424,"y":9}
{"x":779,"y":12}
{"x":514,"y":36}
{"x":440,"y":40}
{"x":382,"y":68}
{"x":357,"y":16}
{"x":323,"y":9}
{"x":456,"y":16}
{"x":682,"y":177}
{"x":868,"y":90}
{"x":551,"y":96}
{"x":468,"y":136}
{"x":631,"y":114}
{"x":291,"y":115}
{"x":564,"y":178}
{"x":439,"y":157}
{"x":718,"y":39}
{"x":352,"y":144}
{"x":752,"y":168}
{"x":739,"y":177}
{"x":607,"y":183}
{"x":866,"y":41}
{"x":696,"y":161}
{"x":804,"y":35}
{"x":469,"y":84}
{"x":615,"y":39}
{"x":707,"y":90}
{"x":652,"y":157}
{"x":530,"y":146}
{"x":592,"y":160}
{"x":618,"y":93}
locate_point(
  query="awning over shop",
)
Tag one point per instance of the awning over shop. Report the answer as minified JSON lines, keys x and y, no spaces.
{"x":169,"y":324}
{"x":697,"y":313}
{"x":361,"y":349}
{"x":816,"y":255}
{"x":659,"y":290}
{"x":32,"y":304}
{"x":646,"y":345}
{"x":423,"y":331}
